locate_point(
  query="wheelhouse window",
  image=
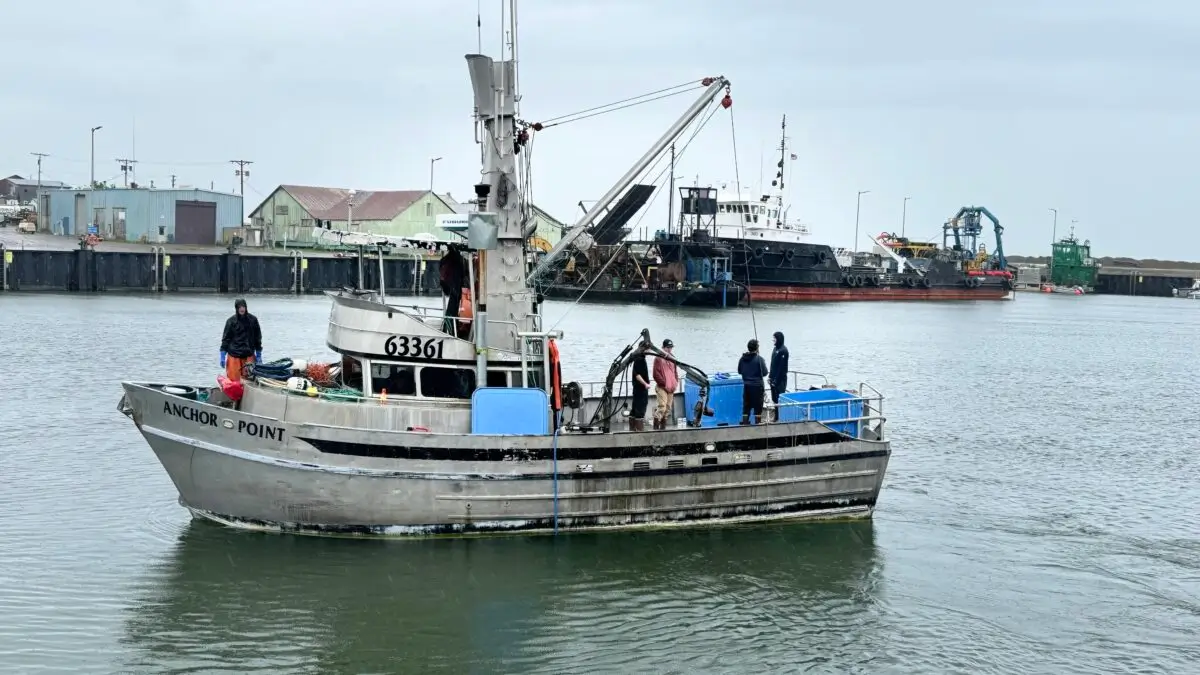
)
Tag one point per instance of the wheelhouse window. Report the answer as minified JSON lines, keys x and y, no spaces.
{"x":394,"y":378}
{"x":352,"y":373}
{"x":447,"y":382}
{"x":497,"y":378}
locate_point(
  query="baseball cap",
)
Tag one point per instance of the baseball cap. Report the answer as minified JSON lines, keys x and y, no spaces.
{"x":668,"y":344}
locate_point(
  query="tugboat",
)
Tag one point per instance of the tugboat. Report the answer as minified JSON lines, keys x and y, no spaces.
{"x":1073,"y":271}
{"x":448,"y":422}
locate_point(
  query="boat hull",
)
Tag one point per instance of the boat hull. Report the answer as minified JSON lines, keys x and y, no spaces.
{"x":344,"y":481}
{"x":843,"y":294}
{"x":711,"y":296}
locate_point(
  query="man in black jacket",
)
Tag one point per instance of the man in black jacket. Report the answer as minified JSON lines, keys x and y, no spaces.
{"x":779,"y":370}
{"x":753,"y":370}
{"x":241,"y":342}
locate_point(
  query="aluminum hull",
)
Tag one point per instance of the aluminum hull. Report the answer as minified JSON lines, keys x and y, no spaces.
{"x":266,"y":473}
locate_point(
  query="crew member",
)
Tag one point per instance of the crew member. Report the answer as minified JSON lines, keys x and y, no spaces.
{"x":666,"y":381}
{"x":641,"y":391}
{"x":779,"y":371}
{"x":241,"y":342}
{"x":451,"y":275}
{"x":753,"y":370}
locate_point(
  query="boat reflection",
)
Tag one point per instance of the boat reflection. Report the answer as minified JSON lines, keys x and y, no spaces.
{"x":251,"y":602}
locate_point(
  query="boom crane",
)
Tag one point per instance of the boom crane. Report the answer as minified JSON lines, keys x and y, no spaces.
{"x":965,"y":229}
{"x":713,"y":87}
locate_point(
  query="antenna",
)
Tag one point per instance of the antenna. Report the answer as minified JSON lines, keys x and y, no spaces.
{"x":172,"y":180}
{"x":126,"y":167}
{"x":479,"y":23}
{"x":242,"y":173}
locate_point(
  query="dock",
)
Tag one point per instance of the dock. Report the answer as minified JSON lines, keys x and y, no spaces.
{"x":49,"y":263}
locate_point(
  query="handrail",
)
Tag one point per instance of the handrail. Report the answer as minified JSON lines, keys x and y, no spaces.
{"x":3,"y":267}
{"x":794,"y":379}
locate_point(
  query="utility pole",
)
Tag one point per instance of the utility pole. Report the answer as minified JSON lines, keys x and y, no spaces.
{"x":39,"y":156}
{"x":242,"y":173}
{"x":904,"y":216}
{"x":172,"y":181}
{"x":126,"y":167}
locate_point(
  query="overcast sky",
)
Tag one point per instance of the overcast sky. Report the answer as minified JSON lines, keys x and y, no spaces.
{"x":1089,"y":106}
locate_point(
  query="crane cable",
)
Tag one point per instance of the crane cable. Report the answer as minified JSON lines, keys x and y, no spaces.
{"x":619,"y":105}
{"x":646,"y":209}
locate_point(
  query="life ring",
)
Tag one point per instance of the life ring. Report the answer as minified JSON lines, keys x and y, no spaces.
{"x":555,"y":376}
{"x":789,"y":254}
{"x":926,"y":283}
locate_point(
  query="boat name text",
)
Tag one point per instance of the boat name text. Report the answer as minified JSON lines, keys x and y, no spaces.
{"x":206,"y":418}
{"x":413,"y":346}
{"x":189,"y":413}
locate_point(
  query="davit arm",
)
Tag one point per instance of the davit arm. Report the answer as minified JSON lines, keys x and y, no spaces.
{"x":644,"y":345}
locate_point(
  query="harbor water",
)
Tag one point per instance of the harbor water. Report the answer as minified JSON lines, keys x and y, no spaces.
{"x":1037,"y":516}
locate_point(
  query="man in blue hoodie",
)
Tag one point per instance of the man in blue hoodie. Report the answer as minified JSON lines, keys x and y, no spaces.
{"x":779,"y":371}
{"x":753,"y":370}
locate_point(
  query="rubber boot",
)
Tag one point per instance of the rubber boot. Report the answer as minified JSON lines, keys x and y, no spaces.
{"x":637,"y":425}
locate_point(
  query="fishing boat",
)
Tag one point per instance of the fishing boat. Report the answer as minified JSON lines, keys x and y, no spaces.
{"x":456,"y":420}
{"x":1192,"y":293}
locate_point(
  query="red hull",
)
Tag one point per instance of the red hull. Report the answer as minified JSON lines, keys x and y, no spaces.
{"x":837,"y":294}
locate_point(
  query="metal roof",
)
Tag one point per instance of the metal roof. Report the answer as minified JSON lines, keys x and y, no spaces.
{"x":26,"y":182}
{"x":332,"y":203}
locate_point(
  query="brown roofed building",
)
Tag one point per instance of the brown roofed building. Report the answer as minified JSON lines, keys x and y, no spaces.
{"x":291,"y":212}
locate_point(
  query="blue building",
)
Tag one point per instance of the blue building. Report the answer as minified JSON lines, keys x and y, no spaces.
{"x":142,"y":214}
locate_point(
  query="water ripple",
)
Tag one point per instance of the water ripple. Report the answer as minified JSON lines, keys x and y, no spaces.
{"x":1034,"y":518}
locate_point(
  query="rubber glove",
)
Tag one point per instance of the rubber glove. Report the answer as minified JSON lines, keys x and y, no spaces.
{"x":222,"y":359}
{"x":258,"y":356}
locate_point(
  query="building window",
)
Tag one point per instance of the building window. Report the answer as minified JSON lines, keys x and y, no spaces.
{"x":447,"y":382}
{"x":396,"y":379}
{"x":306,"y":222}
{"x":281,"y":209}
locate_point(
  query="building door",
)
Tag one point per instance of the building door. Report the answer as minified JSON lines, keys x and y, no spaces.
{"x":195,"y":223}
{"x":118,"y":223}
{"x":80,"y":215}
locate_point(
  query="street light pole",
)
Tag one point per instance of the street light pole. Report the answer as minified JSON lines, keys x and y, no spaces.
{"x":431,"y":172}
{"x":92,"y":185}
{"x":857,"y":212}
{"x":1053,"y":239}
{"x":904,"y":215}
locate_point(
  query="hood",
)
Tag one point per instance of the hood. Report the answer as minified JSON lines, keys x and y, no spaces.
{"x":239,"y":303}
{"x":778,"y":339}
{"x":748,"y":356}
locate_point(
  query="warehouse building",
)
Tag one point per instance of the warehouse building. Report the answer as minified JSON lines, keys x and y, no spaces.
{"x":143,"y":215}
{"x":292,"y":212}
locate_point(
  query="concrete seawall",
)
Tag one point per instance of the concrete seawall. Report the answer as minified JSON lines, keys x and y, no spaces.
{"x":61,"y":266}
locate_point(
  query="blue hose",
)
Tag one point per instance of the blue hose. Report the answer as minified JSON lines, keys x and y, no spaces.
{"x":273,"y":370}
{"x":557,"y":425}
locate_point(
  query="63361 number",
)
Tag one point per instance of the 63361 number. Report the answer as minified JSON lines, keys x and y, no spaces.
{"x":414,"y":347}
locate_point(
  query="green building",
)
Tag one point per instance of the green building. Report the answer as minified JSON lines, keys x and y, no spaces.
{"x":1072,"y":265}
{"x":291,"y":213}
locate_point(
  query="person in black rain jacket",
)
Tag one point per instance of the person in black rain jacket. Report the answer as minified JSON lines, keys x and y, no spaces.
{"x":753,"y":370}
{"x":779,"y":370}
{"x":241,"y":342}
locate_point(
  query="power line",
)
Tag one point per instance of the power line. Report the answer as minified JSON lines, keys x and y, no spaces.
{"x":242,"y":173}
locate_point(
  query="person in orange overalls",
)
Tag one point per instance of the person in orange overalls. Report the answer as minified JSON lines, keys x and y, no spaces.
{"x":241,"y":343}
